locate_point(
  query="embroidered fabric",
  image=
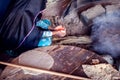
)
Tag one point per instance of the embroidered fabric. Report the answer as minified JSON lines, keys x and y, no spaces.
{"x":46,"y":39}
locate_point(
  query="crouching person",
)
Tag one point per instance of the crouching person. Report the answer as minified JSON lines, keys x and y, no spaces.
{"x":22,"y":29}
{"x":49,"y":32}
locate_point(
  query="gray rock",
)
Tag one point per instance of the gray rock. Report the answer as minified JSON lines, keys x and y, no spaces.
{"x":105,"y":34}
{"x":108,"y":58}
{"x":101,"y":72}
{"x":77,"y":40}
{"x":67,"y":59}
{"x":55,"y":12}
{"x":73,"y":24}
{"x":55,"y":7}
{"x":36,"y":59}
{"x":92,"y":13}
{"x":111,"y":8}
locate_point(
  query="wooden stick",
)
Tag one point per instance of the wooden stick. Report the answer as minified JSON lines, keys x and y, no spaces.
{"x":43,"y":71}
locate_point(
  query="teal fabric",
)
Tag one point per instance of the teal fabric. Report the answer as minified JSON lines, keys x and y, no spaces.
{"x":11,"y":53}
{"x":47,"y":34}
{"x":46,"y":39}
{"x":44,"y":23}
{"x":45,"y":42}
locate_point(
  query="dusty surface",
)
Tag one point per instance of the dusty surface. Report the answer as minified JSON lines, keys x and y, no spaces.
{"x":67,"y":59}
{"x":101,"y":72}
{"x":73,"y":40}
{"x":36,"y":59}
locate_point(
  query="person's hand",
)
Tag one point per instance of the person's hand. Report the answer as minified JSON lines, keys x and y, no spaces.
{"x":59,"y":33}
{"x":58,"y":28}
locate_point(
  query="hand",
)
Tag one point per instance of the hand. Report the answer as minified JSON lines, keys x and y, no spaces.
{"x":58,"y":28}
{"x":60,"y":33}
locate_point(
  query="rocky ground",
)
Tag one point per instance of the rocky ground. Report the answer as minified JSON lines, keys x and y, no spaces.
{"x":71,"y":54}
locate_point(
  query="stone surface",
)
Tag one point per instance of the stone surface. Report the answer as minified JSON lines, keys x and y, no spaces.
{"x":79,"y":41}
{"x":67,"y":59}
{"x":110,"y":8}
{"x":115,"y":1}
{"x":36,"y":59}
{"x":105,"y":34}
{"x":108,"y":58}
{"x":55,"y":7}
{"x":76,"y":40}
{"x":73,"y":24}
{"x":101,"y":72}
{"x":60,"y":14}
{"x":91,"y":13}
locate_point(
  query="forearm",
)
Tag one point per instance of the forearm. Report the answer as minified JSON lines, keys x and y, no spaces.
{"x":50,"y":28}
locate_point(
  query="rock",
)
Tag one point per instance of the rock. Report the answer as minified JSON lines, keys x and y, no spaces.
{"x":82,"y":41}
{"x":77,"y":40}
{"x":101,"y":72}
{"x":55,"y":7}
{"x":91,"y":13}
{"x":117,"y":64}
{"x":73,"y":24}
{"x":111,"y":8}
{"x":67,"y":59}
{"x":105,"y":34}
{"x":36,"y":59}
{"x":82,"y":2}
{"x":95,"y":61}
{"x":108,"y":58}
{"x":51,"y":1}
{"x":1,"y":71}
{"x":114,"y":1}
{"x":60,"y":14}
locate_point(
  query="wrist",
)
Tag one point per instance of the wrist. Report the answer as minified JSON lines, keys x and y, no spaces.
{"x":54,"y":33}
{"x":50,"y":28}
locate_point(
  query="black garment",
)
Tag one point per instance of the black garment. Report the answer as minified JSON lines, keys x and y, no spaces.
{"x":3,"y":6}
{"x":17,"y":25}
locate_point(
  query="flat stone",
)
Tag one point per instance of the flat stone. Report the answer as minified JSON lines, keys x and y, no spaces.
{"x":108,"y":58}
{"x":77,"y":40}
{"x":73,"y":24}
{"x":55,"y":7}
{"x":111,"y":8}
{"x":36,"y":59}
{"x":106,"y":34}
{"x":67,"y":59}
{"x":92,"y":13}
{"x":101,"y":72}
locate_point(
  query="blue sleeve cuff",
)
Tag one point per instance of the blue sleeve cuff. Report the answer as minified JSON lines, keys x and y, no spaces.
{"x":45,"y":23}
{"x":46,"y":39}
{"x":47,"y":34}
{"x":45,"y":42}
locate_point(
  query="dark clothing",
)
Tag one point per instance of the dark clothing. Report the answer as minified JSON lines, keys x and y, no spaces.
{"x":3,"y":7}
{"x":18,"y":23}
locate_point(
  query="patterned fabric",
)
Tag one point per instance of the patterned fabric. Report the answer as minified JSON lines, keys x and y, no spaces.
{"x":47,"y":34}
{"x":46,"y":39}
{"x":44,"y":23}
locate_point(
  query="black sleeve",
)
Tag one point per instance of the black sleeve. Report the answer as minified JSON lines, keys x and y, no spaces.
{"x":18,"y":23}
